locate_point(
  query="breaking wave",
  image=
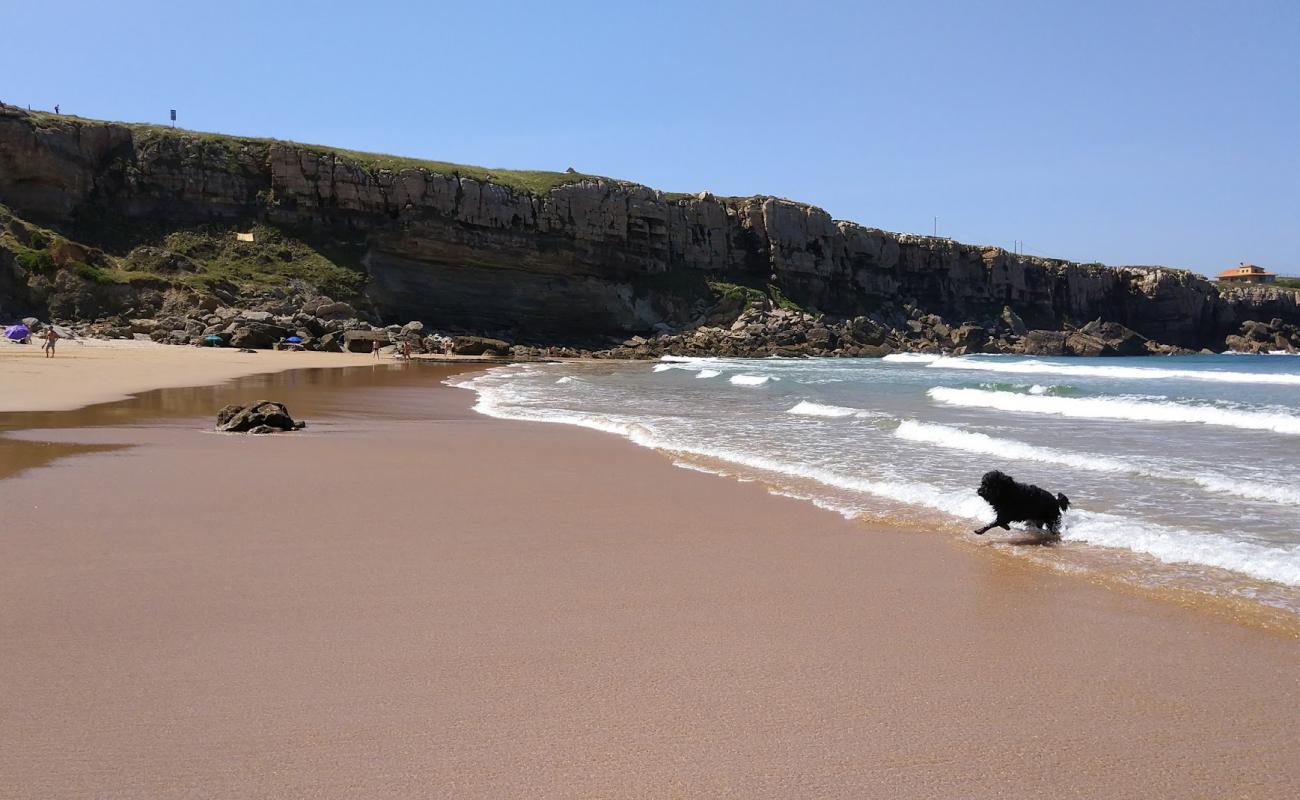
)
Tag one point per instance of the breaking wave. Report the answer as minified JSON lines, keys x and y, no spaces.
{"x":973,"y":442}
{"x":751,"y":380}
{"x":1035,"y":367}
{"x":809,"y":409}
{"x":1168,"y":543}
{"x":1176,"y":546}
{"x":1119,"y":408}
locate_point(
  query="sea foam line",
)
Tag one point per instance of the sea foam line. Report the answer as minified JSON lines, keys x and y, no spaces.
{"x":1116,"y":408}
{"x":1280,"y":564}
{"x":974,"y":442}
{"x":1035,"y":367}
{"x":751,"y":380}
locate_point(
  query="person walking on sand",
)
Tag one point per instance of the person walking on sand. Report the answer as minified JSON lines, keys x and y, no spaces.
{"x":51,"y":337}
{"x":374,"y":349}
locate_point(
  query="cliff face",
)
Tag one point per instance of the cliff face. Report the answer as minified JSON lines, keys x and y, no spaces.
{"x":590,"y":256}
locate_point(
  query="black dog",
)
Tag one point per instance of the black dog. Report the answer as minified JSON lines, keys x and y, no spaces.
{"x":1020,"y":502}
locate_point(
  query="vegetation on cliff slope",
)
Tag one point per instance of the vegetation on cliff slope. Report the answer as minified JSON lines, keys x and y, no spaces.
{"x":43,"y":252}
{"x":751,"y":296}
{"x":201,"y":258}
{"x":273,"y":258}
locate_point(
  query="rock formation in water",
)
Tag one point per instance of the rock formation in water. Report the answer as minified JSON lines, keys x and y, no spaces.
{"x":143,"y":213}
{"x":263,"y":416}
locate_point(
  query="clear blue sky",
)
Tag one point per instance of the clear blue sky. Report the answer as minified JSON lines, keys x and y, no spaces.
{"x":1127,"y":132}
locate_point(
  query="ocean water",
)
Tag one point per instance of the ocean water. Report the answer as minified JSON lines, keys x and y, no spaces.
{"x":1182,"y":469}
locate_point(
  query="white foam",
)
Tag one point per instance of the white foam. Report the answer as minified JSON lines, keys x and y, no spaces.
{"x":1249,"y":489}
{"x":1035,"y":367}
{"x":665,"y":367}
{"x":1038,"y":388}
{"x":708,"y":373}
{"x":1175,"y":546}
{"x":807,"y":409}
{"x":1280,"y":564}
{"x":565,"y":379}
{"x":491,"y":401}
{"x":973,"y":442}
{"x":751,"y":380}
{"x":911,"y":358}
{"x":1119,"y":408}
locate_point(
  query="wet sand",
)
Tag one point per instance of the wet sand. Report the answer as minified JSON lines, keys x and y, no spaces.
{"x":410,"y":600}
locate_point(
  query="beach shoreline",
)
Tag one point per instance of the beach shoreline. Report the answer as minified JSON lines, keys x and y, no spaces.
{"x":412,"y":598}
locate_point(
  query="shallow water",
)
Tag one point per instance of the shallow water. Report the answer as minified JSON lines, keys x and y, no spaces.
{"x":1182,"y":468}
{"x":384,"y":390}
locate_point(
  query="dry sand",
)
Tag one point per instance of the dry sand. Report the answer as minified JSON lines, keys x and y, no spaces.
{"x":86,"y":371}
{"x":409,"y":600}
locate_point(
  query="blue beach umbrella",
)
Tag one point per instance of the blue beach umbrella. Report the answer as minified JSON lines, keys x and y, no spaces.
{"x":213,"y":340}
{"x":17,"y":332}
{"x":294,"y":340}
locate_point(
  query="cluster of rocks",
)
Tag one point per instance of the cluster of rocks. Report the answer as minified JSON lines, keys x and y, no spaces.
{"x":317,"y":321}
{"x":769,"y":331}
{"x":763,"y":329}
{"x":312,"y":320}
{"x":263,"y":416}
{"x":1260,"y":337}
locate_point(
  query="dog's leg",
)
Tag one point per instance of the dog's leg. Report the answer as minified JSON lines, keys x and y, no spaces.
{"x":997,"y":523}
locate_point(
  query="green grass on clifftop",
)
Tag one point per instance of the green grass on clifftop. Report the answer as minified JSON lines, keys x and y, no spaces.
{"x":529,"y":181}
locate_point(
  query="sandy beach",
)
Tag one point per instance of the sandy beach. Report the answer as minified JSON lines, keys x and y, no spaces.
{"x":412,"y":600}
{"x":86,"y":371}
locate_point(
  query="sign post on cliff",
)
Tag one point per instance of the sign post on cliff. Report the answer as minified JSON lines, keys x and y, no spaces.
{"x":173,"y":118}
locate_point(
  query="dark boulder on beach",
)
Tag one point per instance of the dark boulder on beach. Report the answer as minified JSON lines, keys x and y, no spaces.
{"x":264,"y":416}
{"x":479,"y":346}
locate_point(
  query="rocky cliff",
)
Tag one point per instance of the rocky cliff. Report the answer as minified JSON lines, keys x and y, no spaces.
{"x":553,"y":255}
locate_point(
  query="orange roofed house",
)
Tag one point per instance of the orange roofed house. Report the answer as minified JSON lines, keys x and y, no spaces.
{"x":1247,"y":273}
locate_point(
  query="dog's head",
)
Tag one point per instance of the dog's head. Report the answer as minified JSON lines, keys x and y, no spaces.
{"x":994,"y":485}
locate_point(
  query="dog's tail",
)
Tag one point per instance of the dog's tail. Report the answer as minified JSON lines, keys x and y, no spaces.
{"x":1062,"y":501}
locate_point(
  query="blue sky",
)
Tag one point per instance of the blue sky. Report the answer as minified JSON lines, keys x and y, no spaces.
{"x":1126,"y":132}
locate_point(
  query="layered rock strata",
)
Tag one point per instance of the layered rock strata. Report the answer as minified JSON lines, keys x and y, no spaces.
{"x":579,"y":257}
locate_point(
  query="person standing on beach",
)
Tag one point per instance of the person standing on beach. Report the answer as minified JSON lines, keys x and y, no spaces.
{"x":374,"y":349}
{"x":51,"y":336}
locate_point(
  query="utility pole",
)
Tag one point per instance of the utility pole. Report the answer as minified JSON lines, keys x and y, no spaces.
{"x":936,"y":227}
